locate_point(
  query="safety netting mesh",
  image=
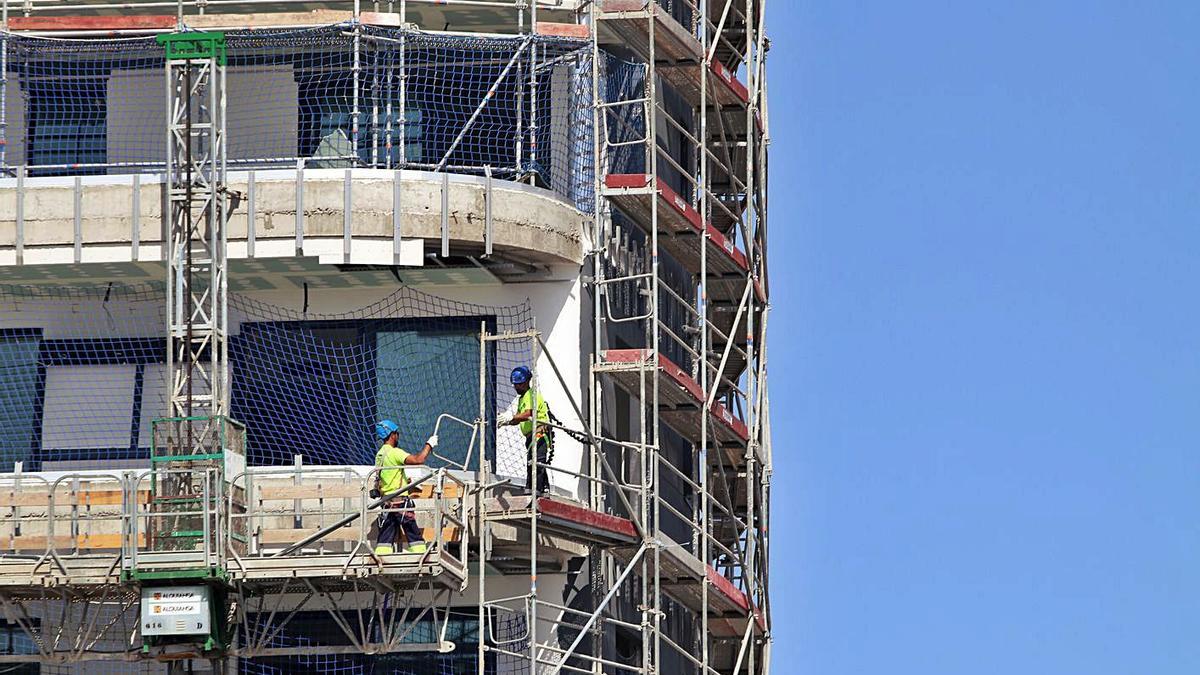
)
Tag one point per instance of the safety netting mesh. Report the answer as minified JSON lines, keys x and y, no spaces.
{"x":328,"y":97}
{"x":623,"y":124}
{"x":313,"y":639}
{"x":83,"y":374}
{"x":315,"y":633}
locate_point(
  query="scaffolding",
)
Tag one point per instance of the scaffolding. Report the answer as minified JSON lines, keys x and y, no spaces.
{"x":669,"y":528}
{"x":694,"y":188}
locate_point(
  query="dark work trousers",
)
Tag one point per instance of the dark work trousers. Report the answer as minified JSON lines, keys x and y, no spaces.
{"x":545,"y":455}
{"x":393,"y":522}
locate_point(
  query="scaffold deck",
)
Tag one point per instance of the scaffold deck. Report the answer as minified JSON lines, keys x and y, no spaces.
{"x":680,"y":223}
{"x":563,"y":518}
{"x":680,"y":396}
{"x":627,"y":23}
{"x":30,"y":574}
{"x":683,"y":575}
{"x":725,"y":90}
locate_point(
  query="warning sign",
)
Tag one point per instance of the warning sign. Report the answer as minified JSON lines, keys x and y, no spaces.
{"x":177,"y":610}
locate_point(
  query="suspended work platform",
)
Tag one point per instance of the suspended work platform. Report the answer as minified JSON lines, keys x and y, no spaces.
{"x":314,"y":523}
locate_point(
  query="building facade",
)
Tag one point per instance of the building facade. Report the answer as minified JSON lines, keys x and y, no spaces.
{"x":235,"y":235}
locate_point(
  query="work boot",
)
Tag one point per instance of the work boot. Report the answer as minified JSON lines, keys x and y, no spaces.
{"x":419,"y":547}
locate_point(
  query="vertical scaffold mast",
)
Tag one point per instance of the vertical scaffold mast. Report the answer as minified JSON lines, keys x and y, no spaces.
{"x":196,"y":266}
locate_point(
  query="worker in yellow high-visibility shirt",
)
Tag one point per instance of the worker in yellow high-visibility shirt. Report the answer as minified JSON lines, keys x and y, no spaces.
{"x":397,"y":516}
{"x":533,"y":416}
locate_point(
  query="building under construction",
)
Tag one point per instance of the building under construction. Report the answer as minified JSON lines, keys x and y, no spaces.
{"x":235,"y":234}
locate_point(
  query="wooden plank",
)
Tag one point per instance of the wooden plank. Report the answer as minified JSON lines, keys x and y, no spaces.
{"x":450,"y":534}
{"x":83,"y":497}
{"x":449,"y":491}
{"x":91,"y":23}
{"x":316,"y":17}
{"x":628,"y":24}
{"x":342,"y":491}
{"x":292,"y":535}
{"x":624,"y":5}
{"x":311,"y":491}
{"x":388,"y":19}
{"x":36,"y":542}
{"x":567,"y":30}
{"x":9,"y":499}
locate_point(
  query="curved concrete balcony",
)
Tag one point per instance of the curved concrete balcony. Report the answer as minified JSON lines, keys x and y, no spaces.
{"x":338,"y":216}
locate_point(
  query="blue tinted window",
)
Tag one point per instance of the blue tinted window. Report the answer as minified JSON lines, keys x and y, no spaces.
{"x":19,"y":395}
{"x":316,"y":388}
{"x":67,"y":119}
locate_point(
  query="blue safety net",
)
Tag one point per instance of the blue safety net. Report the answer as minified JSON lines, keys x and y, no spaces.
{"x":307,"y":641}
{"x":83,"y":374}
{"x":317,"y":634}
{"x":326,"y":97}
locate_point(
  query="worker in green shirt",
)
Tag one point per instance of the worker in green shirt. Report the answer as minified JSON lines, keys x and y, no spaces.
{"x":397,"y":516}
{"x":533,"y":416}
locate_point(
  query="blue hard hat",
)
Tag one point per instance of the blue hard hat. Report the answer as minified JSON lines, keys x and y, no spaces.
{"x":521,"y":375}
{"x":386,"y":428}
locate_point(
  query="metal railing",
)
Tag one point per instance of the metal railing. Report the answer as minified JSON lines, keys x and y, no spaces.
{"x":301,"y":511}
{"x":200,"y":7}
{"x":128,"y":519}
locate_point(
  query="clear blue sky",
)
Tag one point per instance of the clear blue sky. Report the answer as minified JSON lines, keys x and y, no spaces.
{"x":985,"y":344}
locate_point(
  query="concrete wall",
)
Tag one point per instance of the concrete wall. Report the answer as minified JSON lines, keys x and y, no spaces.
{"x":14,"y":119}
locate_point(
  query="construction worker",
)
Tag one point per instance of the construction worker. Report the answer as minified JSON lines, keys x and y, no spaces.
{"x":533,"y":416}
{"x":397,"y":516}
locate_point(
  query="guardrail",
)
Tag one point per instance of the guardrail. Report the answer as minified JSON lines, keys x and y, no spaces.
{"x":161,"y":520}
{"x":315,"y":510}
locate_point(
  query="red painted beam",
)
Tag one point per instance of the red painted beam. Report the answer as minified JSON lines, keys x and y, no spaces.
{"x":627,"y":180}
{"x":727,"y":245}
{"x":734,"y":424}
{"x":726,"y":588}
{"x":586,"y":517}
{"x":641,"y":180}
{"x":626,"y":355}
{"x":679,"y":204}
{"x":735,"y":85}
{"x":680,"y":377}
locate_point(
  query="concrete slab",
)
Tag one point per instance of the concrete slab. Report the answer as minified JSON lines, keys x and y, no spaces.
{"x":386,"y":210}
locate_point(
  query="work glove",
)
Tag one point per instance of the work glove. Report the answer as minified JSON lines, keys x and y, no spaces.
{"x":432,"y":442}
{"x":504,"y":420}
